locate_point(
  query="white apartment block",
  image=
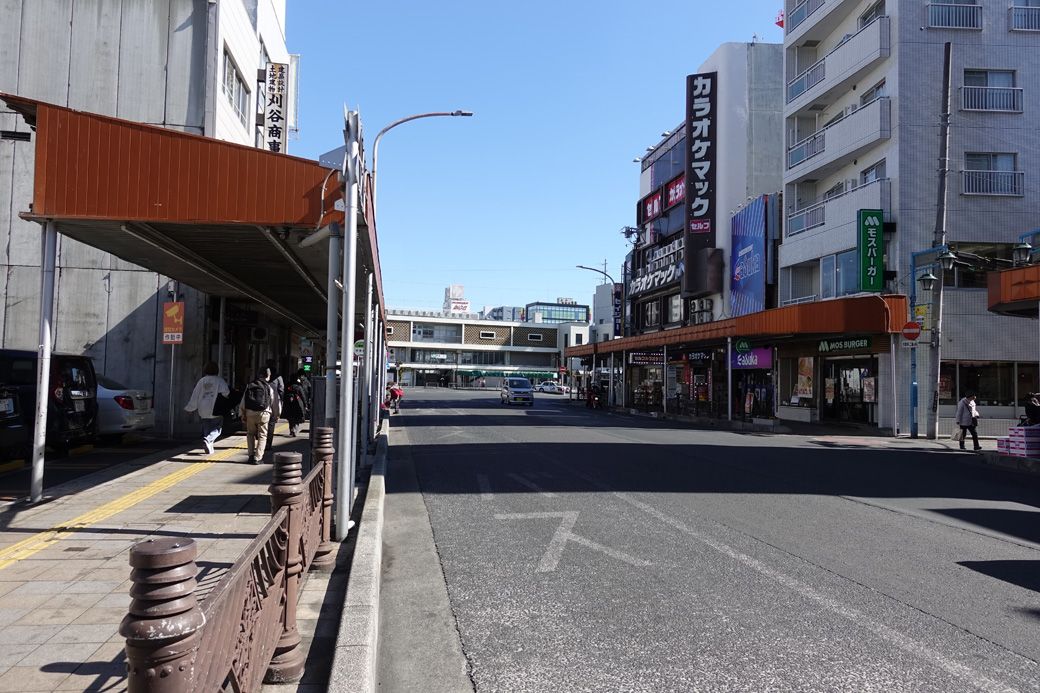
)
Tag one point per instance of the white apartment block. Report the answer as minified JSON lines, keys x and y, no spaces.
{"x":862,"y":114}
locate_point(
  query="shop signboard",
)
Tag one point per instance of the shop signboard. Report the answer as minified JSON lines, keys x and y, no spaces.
{"x":871,"y":250}
{"x":276,"y":108}
{"x":844,"y":344}
{"x":699,"y":357}
{"x":701,"y":127}
{"x":646,"y":358}
{"x":675,"y":191}
{"x":650,"y":207}
{"x":759,"y":357}
{"x":747,"y":281}
{"x":664,"y":266}
{"x":617,"y":309}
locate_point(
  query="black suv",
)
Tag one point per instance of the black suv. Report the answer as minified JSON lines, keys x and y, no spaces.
{"x":71,"y":411}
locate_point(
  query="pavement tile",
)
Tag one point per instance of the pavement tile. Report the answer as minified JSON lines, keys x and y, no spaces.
{"x":60,"y":655}
{"x":48,"y":617}
{"x":84,"y":633}
{"x":11,"y":654}
{"x":72,"y":569}
{"x":18,"y":601}
{"x":18,"y":635}
{"x":99,"y":615}
{"x":9,"y":615}
{"x":31,"y":680}
{"x":6,"y":587}
{"x":67,"y":587}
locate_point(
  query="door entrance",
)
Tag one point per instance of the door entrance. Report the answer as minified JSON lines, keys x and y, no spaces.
{"x":850,"y":390}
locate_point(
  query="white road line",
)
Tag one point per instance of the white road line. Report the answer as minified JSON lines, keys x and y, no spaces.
{"x":564,"y":533}
{"x":531,"y":485}
{"x":485,"y":487}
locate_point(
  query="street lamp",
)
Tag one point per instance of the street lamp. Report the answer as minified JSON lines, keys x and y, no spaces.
{"x":1022,"y":253}
{"x":613,"y":334}
{"x":391,"y":126}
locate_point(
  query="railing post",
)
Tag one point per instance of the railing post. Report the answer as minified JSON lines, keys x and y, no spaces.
{"x":287,"y":492}
{"x":322,"y":453}
{"x":163,"y":626}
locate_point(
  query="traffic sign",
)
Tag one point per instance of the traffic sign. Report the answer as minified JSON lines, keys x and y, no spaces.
{"x":359,"y":348}
{"x":908,"y":344}
{"x":911,"y":331}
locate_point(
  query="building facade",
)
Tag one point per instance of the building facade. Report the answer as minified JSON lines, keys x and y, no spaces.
{"x":863,"y":85}
{"x":563,"y":310}
{"x":465,"y":350}
{"x":189,"y":65}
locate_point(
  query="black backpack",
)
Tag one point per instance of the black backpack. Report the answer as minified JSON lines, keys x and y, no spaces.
{"x":257,"y":396}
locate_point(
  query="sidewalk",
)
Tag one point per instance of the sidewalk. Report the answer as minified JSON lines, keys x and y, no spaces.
{"x":64,"y":571}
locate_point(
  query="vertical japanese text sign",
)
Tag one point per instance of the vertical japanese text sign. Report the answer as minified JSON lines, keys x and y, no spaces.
{"x":173,"y":322}
{"x":701,"y":128}
{"x":275,"y":122}
{"x":871,"y":250}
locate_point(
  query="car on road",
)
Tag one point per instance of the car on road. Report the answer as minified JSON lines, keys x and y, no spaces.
{"x":517,"y":391}
{"x":122,"y":409}
{"x":553,"y":388}
{"x":71,"y":407}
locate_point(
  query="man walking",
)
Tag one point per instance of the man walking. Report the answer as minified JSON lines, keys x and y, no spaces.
{"x":968,"y":419}
{"x":256,"y":414}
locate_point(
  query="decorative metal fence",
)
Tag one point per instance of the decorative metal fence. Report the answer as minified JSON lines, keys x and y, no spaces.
{"x":244,"y":633}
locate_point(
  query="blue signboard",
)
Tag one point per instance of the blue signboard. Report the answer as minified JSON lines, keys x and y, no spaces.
{"x":747,"y":281}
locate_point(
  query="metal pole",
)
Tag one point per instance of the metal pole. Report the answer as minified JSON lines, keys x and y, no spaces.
{"x":624,"y":378}
{"x":345,"y":448}
{"x":895,"y":396}
{"x":332,"y":324}
{"x":940,"y":240}
{"x":664,"y":379}
{"x":49,"y":249}
{"x":366,"y":373}
{"x":613,"y":382}
{"x":220,"y":337}
{"x":729,"y":378}
{"x":173,"y":354}
{"x":913,"y":350}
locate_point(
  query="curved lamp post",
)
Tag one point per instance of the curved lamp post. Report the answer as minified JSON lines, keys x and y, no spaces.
{"x":391,"y":126}
{"x":613,"y":397}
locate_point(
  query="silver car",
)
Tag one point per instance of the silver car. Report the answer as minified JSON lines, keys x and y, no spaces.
{"x":517,"y":391}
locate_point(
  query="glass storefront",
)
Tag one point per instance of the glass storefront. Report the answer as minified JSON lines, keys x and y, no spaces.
{"x":850,"y":390}
{"x":995,"y":383}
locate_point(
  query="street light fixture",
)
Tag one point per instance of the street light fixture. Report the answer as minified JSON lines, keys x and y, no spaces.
{"x":947,"y":260}
{"x":927,"y":281}
{"x":1022,"y":253}
{"x":391,"y":126}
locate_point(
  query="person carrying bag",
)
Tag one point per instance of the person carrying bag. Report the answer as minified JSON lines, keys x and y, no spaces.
{"x":968,"y":420}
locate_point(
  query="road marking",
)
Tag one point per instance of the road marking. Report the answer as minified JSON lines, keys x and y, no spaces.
{"x":564,"y":533}
{"x":485,"y":487}
{"x":38,"y":542}
{"x":531,"y":485}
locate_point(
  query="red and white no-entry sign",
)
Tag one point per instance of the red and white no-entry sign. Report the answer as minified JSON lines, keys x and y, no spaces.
{"x":911,"y":331}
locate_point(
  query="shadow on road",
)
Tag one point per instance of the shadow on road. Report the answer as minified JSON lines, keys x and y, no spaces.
{"x":1021,"y":573}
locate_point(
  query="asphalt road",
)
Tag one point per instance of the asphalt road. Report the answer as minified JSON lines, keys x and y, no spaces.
{"x":584,"y":551}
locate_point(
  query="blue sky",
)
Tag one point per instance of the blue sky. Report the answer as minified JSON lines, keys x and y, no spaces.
{"x":565,"y":95}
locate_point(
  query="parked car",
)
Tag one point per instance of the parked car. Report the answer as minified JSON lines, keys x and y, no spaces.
{"x":517,"y":391}
{"x":122,"y":409}
{"x":553,"y":387}
{"x":71,"y":410}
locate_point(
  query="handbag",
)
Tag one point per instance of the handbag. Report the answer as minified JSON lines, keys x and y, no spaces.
{"x":958,"y":435}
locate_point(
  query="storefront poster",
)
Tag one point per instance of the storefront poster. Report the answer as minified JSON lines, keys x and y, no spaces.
{"x":760,"y":357}
{"x":945,"y":387}
{"x":747,"y":282}
{"x":869,"y":389}
{"x":828,"y":390}
{"x":749,"y":401}
{"x":804,"y":387}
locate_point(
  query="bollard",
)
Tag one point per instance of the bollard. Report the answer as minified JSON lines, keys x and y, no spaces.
{"x":323,"y":452}
{"x":163,"y":626}
{"x":287,"y":492}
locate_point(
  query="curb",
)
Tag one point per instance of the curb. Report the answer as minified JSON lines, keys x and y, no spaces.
{"x":354,"y":659}
{"x":1020,"y":465}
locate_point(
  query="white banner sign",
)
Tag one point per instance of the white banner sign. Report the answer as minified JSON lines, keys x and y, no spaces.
{"x":276,"y":111}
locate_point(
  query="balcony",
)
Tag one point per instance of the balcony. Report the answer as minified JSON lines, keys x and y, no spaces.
{"x":856,"y":130}
{"x":947,"y":16}
{"x":840,"y":68}
{"x":1024,"y":19}
{"x":800,"y":13}
{"x":828,"y":226}
{"x":998,"y":99}
{"x":814,"y":20}
{"x":998,"y":183}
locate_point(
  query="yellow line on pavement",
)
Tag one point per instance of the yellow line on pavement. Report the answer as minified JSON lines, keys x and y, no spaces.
{"x":38,"y":542}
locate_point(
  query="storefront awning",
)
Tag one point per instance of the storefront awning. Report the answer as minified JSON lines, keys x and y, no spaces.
{"x":224,"y":218}
{"x":873,"y":314}
{"x":1015,"y":291}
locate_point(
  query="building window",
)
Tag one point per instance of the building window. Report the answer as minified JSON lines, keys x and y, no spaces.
{"x":675,"y":308}
{"x":423,"y":332}
{"x":991,"y":90}
{"x":389,"y":329}
{"x":873,"y":12}
{"x":872,"y":173}
{"x":875,"y":92}
{"x":963,"y":276}
{"x":955,"y":14}
{"x":577,"y":339}
{"x":534,"y":337}
{"x":827,"y":276}
{"x":1025,"y":15}
{"x":992,"y":173}
{"x":484,"y":334}
{"x":235,"y":89}
{"x":651,"y":314}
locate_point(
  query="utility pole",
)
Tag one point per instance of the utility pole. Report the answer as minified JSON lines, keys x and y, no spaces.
{"x":938,"y":241}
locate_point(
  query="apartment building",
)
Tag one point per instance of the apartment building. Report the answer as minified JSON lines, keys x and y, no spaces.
{"x":862,"y":119}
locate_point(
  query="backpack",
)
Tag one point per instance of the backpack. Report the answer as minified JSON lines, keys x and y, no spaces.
{"x":257,"y":396}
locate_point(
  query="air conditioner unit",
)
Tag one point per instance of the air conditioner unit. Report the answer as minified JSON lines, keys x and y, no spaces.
{"x":707,"y":304}
{"x":258,"y":334}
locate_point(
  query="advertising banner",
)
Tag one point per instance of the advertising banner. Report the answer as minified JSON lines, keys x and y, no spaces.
{"x":869,"y":390}
{"x":699,"y":214}
{"x":804,"y":387}
{"x":675,"y":191}
{"x":871,"y":250}
{"x":276,"y":107}
{"x":617,"y":309}
{"x":747,"y":282}
{"x":759,"y":357}
{"x":173,"y":322}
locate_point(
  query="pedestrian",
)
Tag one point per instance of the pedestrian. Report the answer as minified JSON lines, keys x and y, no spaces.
{"x":204,"y":400}
{"x":278,"y":392}
{"x":256,"y":414}
{"x":294,"y":407}
{"x":1033,"y":409}
{"x":396,"y":394}
{"x":968,"y":420}
{"x":305,"y":383}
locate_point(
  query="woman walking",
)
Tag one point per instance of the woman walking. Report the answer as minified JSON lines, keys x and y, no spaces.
{"x":203,"y":399}
{"x":968,"y":420}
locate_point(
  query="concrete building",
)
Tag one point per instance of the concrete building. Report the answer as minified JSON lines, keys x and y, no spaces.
{"x":862,"y":113}
{"x":603,"y":313}
{"x":436,"y":348}
{"x":189,"y":65}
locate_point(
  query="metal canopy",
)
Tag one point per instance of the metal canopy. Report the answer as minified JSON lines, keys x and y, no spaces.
{"x":224,"y":218}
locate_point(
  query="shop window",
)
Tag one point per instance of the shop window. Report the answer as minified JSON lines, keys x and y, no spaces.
{"x":947,"y":382}
{"x":1027,"y":381}
{"x":991,"y":381}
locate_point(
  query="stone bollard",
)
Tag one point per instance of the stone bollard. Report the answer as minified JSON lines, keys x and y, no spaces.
{"x":322,"y":453}
{"x":163,"y":626}
{"x":287,"y":492}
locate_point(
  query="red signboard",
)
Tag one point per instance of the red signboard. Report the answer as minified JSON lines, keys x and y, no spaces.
{"x":675,"y":191}
{"x":173,"y":322}
{"x":650,"y":207}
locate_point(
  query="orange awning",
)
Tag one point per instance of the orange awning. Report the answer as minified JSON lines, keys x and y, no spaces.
{"x":1015,"y":291}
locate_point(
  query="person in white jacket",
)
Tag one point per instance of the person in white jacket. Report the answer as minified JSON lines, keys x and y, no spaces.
{"x":968,"y":419}
{"x":203,"y":399}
